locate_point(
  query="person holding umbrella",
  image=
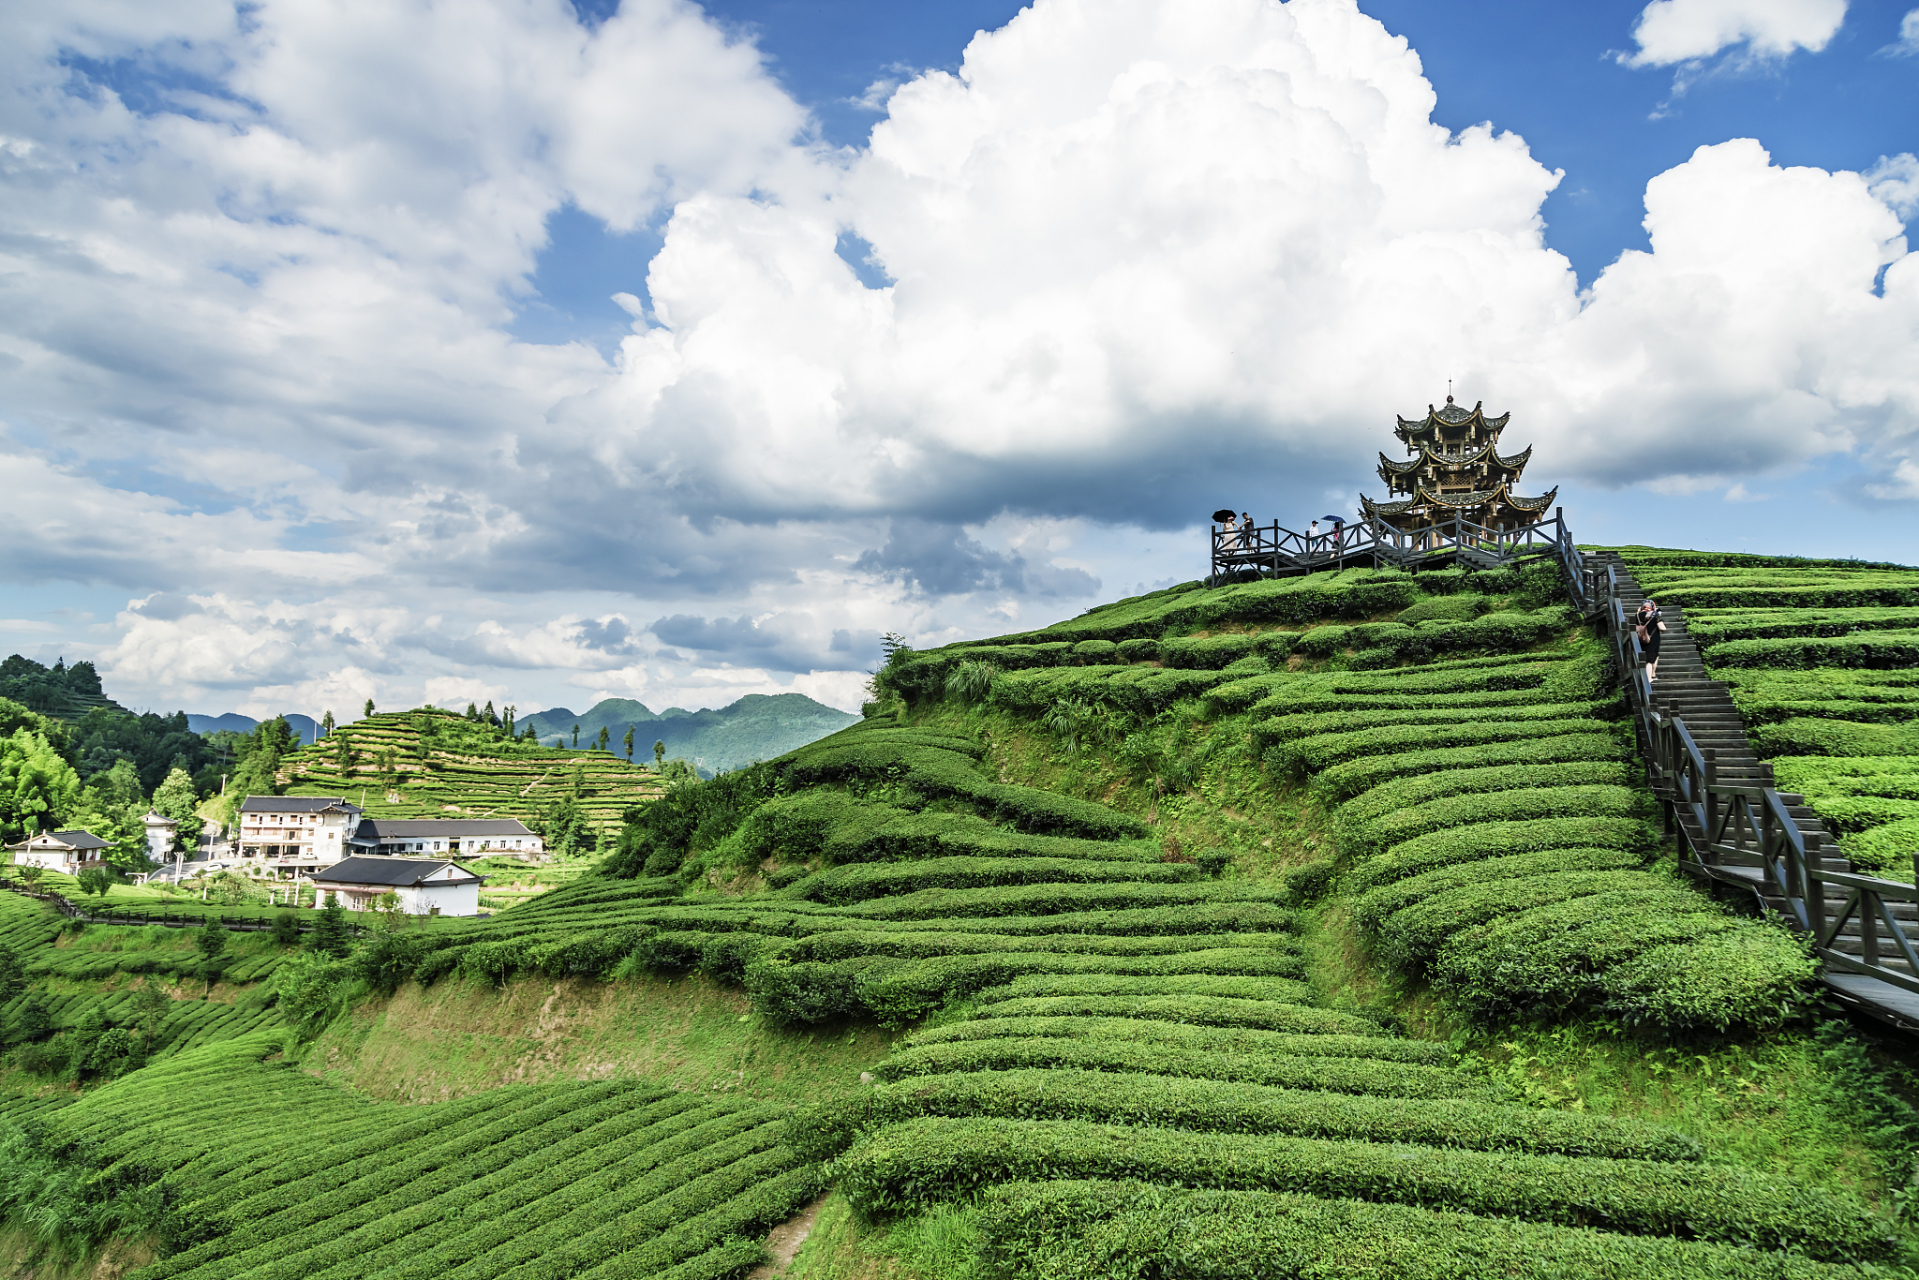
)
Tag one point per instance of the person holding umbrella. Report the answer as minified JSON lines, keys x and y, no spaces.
{"x":1230,"y":542}
{"x":1339,"y":529}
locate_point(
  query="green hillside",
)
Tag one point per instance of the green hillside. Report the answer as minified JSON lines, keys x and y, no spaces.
{"x":66,"y":693}
{"x":1309,"y":928}
{"x":757,"y":727}
{"x":432,"y":763}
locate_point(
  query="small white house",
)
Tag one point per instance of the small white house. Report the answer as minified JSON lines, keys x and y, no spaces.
{"x":423,"y":885}
{"x":61,"y":851}
{"x":160,"y":829}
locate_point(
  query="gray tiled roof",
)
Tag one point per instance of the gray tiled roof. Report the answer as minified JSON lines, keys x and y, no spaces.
{"x":438,"y":828}
{"x":79,"y":839}
{"x":397,"y":872}
{"x":296,"y":804}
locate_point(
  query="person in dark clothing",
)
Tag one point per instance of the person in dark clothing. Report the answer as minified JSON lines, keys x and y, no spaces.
{"x":1651,"y":629}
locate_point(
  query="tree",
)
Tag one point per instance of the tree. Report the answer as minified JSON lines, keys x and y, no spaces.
{"x":212,"y":941}
{"x":331,"y":935}
{"x":659,"y":755}
{"x":369,"y":709}
{"x":32,"y":1020}
{"x":326,"y":724}
{"x":490,"y":715}
{"x":286,"y":929}
{"x":96,"y":881}
{"x":31,"y":874}
{"x":38,"y":790}
{"x":13,"y":974}
{"x":576,"y":737}
{"x":472,"y":712}
{"x":345,"y":757}
{"x":605,"y":733}
{"x":629,"y":744}
{"x":175,"y":799}
{"x":507,"y":717}
{"x":388,"y":905}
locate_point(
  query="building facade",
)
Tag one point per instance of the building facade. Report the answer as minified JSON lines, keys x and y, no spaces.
{"x":463,"y":837}
{"x":297,"y":834}
{"x":62,"y":851}
{"x":422,"y":886}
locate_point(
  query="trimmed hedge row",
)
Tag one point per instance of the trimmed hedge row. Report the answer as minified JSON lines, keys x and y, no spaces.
{"x":1378,"y":1077}
{"x":1670,"y":960}
{"x":1044,"y":899}
{"x":1816,"y":736}
{"x":1292,"y":727}
{"x":1371,"y":909}
{"x":1137,"y":691}
{"x":896,"y":991}
{"x":915,"y":1163}
{"x":863,"y":880}
{"x":1882,"y":650}
{"x":1213,"y":1106}
{"x":1502,"y":839}
{"x":827,"y":948}
{"x":1301,"y":1042}
{"x":1344,"y":781}
{"x":1196,"y":987}
{"x":1296,"y":1015}
{"x":1403,"y":793}
{"x":1412,"y":936}
{"x":1709,"y":627}
{"x":1599,"y":800}
{"x":1320,"y":752}
{"x":1091,"y":1230}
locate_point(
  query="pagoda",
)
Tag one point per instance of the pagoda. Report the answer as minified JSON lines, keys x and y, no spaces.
{"x":1453,"y":469}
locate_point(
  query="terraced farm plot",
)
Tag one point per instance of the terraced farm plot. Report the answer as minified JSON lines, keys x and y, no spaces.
{"x":433,"y":764}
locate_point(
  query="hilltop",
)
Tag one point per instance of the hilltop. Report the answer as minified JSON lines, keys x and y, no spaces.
{"x":305,"y":728}
{"x":757,"y":727}
{"x":60,"y":691}
{"x":1323,"y":927}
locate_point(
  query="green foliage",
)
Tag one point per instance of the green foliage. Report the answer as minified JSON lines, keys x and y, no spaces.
{"x":332,"y":935}
{"x":38,"y":789}
{"x":1454,"y":608}
{"x":920,"y":1161}
{"x":1126,"y":1230}
{"x":1213,"y":1106}
{"x":1884,"y":650}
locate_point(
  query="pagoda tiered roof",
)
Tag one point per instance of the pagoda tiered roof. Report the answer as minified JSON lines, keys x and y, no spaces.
{"x":1455,"y":470}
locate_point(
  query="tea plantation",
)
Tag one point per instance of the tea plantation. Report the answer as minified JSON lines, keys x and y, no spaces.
{"x":1305,"y":928}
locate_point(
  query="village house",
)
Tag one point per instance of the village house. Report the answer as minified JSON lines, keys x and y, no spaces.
{"x":67,"y":852}
{"x":423,"y":886}
{"x":160,"y":829}
{"x":297,"y":834}
{"x":465,"y":836}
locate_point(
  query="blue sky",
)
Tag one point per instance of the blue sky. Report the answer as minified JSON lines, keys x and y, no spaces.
{"x":543,"y":353}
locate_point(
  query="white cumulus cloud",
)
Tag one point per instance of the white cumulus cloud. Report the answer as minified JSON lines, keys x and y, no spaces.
{"x":1674,"y":31}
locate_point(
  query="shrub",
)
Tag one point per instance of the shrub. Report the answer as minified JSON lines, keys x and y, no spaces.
{"x":860,"y":881}
{"x":1343,"y":781}
{"x":1295,"y":1014}
{"x":1085,"y":1230}
{"x":1404,"y":793}
{"x":1312,"y":1033}
{"x":1889,"y":650}
{"x":1364,"y":840}
{"x":1817,"y":736}
{"x":1322,"y":751}
{"x":1890,"y":848}
{"x":1500,"y":839}
{"x":1234,"y":987}
{"x":1545,"y":961}
{"x":972,"y":681}
{"x":1452,"y":608}
{"x":1212,"y":1106}
{"x":907,"y":1165}
{"x":1372,"y":908}
{"x":1411,"y":936}
{"x":1095,"y":652}
{"x":1378,"y":1076}
{"x":1139,"y":650}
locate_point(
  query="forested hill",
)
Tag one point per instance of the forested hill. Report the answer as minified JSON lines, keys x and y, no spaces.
{"x":757,"y":727}
{"x":64,"y":692}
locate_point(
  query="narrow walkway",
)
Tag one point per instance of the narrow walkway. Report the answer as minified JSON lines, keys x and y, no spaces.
{"x":1683,"y":691}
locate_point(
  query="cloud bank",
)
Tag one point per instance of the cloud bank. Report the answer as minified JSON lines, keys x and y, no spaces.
{"x":1144,"y":258}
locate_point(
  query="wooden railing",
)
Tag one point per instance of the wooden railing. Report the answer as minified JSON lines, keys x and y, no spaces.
{"x":1274,"y":549}
{"x":1746,"y":835}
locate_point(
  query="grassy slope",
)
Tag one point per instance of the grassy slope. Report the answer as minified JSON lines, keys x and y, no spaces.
{"x":456,"y":1038}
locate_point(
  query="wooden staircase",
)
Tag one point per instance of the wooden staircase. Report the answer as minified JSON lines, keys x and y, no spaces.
{"x":1684,"y":693}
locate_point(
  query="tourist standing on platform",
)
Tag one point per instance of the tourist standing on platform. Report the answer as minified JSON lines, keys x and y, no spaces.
{"x":1312,"y":537}
{"x":1651,"y":628}
{"x":1229,"y":536}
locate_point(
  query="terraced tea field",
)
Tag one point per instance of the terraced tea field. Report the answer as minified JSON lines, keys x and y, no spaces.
{"x":1121,"y":1044}
{"x":432,"y":764}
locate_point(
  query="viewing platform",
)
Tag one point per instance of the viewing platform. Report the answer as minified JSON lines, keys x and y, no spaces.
{"x":1276,"y":552}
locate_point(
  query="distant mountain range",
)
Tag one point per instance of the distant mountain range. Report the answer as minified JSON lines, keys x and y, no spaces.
{"x":306,"y":727}
{"x":757,"y":727}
